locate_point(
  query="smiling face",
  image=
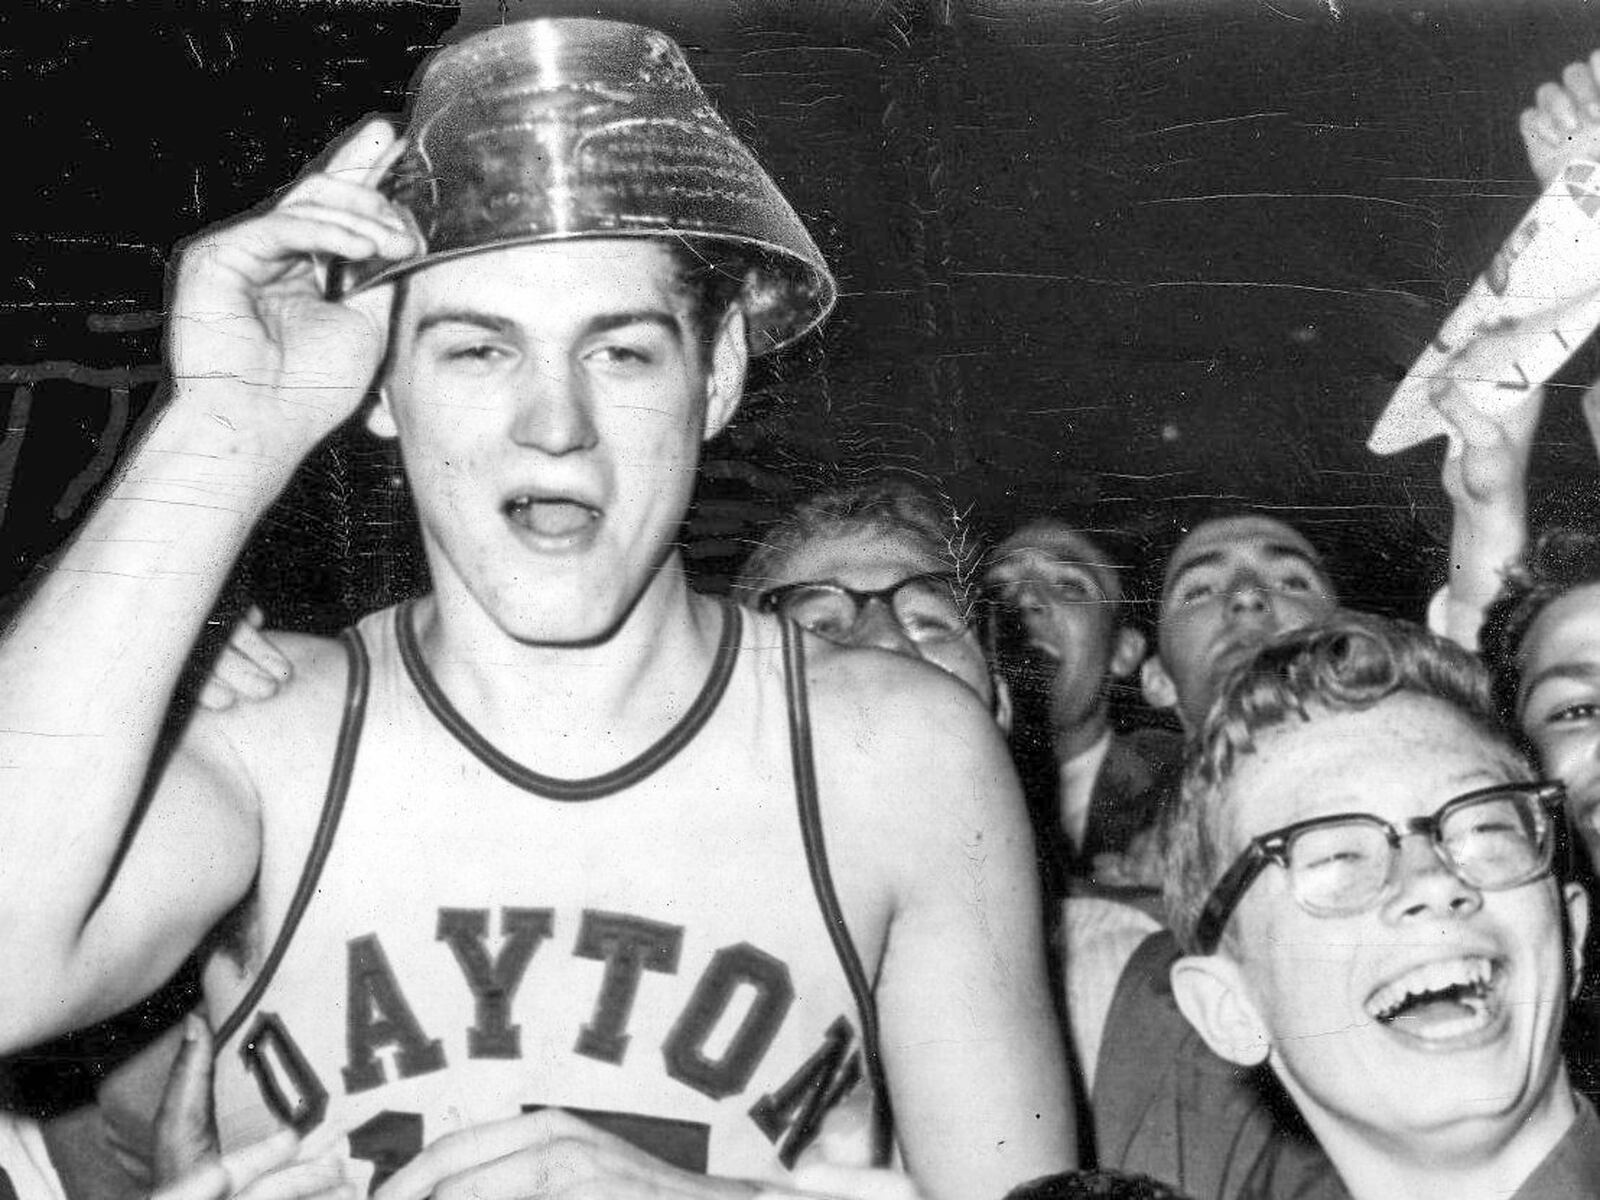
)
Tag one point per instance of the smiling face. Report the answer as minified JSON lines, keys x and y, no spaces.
{"x":1437,"y":1013}
{"x":1558,"y":705}
{"x":1230,"y":584}
{"x":551,"y":401}
{"x":1065,"y":594}
{"x":871,"y":557}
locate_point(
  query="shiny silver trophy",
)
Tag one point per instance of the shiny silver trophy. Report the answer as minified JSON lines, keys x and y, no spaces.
{"x":567,"y":128}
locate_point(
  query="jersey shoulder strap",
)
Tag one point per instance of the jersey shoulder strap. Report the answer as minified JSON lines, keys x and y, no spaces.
{"x":805,"y":783}
{"x":344,"y":758}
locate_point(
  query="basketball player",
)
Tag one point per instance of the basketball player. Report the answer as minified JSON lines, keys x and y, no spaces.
{"x":559,"y":835}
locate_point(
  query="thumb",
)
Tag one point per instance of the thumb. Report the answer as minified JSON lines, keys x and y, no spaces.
{"x":186,"y":1134}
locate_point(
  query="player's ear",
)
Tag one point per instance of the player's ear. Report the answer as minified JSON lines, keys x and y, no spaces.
{"x":1159,"y":690}
{"x":1577,"y":898}
{"x":380,"y":417}
{"x":1211,"y":995}
{"x":1127,"y":652}
{"x":730,"y":356}
{"x":1001,"y":704}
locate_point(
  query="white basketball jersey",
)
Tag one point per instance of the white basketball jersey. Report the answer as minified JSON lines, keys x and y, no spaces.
{"x":658,"y":949}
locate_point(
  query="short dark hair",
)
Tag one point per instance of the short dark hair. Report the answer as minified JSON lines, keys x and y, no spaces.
{"x":891,"y":505}
{"x":1345,"y":663}
{"x":713,"y":274}
{"x":1563,"y":559}
{"x":1160,"y":540}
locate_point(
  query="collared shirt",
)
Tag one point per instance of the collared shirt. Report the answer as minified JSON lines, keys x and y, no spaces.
{"x":1098,"y":937}
{"x":1571,"y":1171}
{"x":1075,"y":795}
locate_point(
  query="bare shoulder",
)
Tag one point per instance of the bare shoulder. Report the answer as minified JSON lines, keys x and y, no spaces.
{"x":926,"y":834}
{"x":908,"y":759}
{"x":889,"y":716}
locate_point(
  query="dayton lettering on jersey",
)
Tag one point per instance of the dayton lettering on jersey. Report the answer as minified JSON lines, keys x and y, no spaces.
{"x":379,"y":1019}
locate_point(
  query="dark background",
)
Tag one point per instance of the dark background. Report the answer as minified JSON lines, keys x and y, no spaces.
{"x":1131,"y":260}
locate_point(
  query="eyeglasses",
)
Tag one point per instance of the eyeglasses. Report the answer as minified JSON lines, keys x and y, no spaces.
{"x":1492,"y":839}
{"x":929,"y":608}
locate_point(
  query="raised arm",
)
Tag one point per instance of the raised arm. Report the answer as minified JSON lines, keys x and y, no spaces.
{"x":1485,"y":474}
{"x":1485,"y":466}
{"x":262,"y":368}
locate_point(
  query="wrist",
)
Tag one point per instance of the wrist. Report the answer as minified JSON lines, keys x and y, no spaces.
{"x":1500,"y":524}
{"x":191,"y":442}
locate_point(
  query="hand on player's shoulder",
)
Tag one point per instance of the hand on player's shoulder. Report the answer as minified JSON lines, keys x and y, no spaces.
{"x":285,"y":714}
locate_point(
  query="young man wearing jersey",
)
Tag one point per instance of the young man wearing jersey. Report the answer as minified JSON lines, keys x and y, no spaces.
{"x":560,"y":834}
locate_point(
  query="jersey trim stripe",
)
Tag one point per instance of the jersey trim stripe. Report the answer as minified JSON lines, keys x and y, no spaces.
{"x":651,"y":759}
{"x":805,"y":786}
{"x":344,"y":759}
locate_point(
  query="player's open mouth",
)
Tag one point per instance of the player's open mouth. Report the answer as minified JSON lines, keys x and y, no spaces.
{"x":1441,"y":1001}
{"x":552,"y":518}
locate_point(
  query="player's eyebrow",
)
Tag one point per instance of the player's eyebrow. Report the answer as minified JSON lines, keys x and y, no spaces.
{"x":504,"y":325}
{"x":606,"y":322}
{"x":1577,"y":672}
{"x":491,"y":322}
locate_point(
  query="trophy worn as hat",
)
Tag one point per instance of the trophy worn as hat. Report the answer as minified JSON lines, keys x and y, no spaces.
{"x":555,"y":129}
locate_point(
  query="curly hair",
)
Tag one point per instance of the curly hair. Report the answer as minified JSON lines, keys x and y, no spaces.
{"x":1345,"y":663}
{"x":1562,"y":560}
{"x":890,"y":506}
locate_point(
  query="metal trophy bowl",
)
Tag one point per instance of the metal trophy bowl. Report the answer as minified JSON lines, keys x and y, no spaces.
{"x":565,"y":128}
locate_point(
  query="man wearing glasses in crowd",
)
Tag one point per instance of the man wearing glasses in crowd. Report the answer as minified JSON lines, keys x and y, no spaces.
{"x":880,"y":565}
{"x":1361,"y":877}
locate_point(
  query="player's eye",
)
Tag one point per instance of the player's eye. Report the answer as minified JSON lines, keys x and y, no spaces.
{"x":1194,"y":593}
{"x":1587,"y":710}
{"x":476,"y":354}
{"x":1295,"y":582}
{"x":619,"y":356}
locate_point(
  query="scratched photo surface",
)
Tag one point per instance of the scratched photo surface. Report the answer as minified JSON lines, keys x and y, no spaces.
{"x":1129,"y":261}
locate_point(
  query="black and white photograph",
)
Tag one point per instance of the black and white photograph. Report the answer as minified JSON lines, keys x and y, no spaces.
{"x":800,"y":600}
